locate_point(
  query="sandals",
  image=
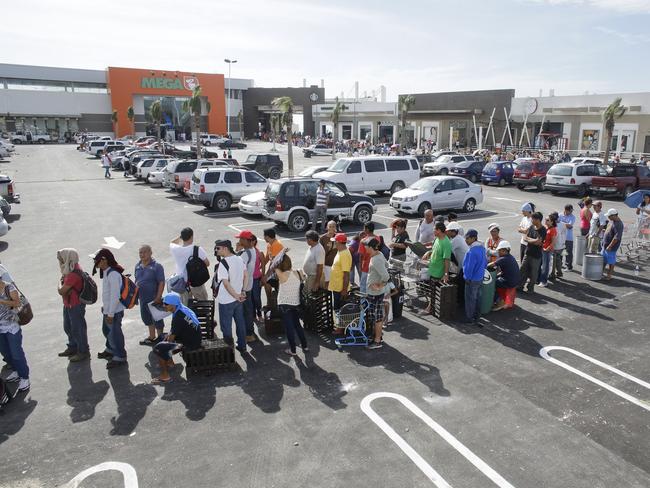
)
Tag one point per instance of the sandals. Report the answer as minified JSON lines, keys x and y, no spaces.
{"x":288,"y":351}
{"x":160,"y":381}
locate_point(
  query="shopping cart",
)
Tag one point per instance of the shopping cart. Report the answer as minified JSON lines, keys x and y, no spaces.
{"x":636,"y":241}
{"x":352,"y":317}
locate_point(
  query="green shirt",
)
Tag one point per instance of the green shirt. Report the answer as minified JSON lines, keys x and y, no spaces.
{"x":440,"y":251}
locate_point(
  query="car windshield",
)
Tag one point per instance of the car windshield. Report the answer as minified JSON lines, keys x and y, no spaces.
{"x":442,"y":159}
{"x":339,"y":166}
{"x":424,"y":185}
{"x":490,"y":167}
{"x":561,"y":170}
{"x":251,"y":159}
{"x":272,"y":191}
{"x":312,"y":170}
{"x":524,"y":166}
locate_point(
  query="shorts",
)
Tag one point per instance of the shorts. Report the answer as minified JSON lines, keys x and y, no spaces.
{"x":610,"y":257}
{"x":147,"y":319}
{"x":164,"y":350}
{"x":376,"y":308}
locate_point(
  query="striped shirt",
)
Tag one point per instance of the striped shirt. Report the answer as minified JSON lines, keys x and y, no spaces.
{"x":321,"y":197}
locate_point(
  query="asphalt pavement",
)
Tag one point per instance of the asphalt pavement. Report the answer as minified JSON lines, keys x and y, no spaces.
{"x":440,"y":403}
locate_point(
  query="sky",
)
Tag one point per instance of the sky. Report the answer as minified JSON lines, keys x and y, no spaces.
{"x":409,"y":46}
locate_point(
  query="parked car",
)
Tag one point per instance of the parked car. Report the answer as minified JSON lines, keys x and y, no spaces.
{"x":623,"y":180}
{"x":437,"y":193}
{"x":230,"y":144}
{"x":112,"y":146}
{"x":268,"y":165}
{"x":253,"y":203}
{"x":28,"y":137}
{"x":471,"y":169}
{"x":136,"y":157}
{"x":373,"y":173}
{"x":317,"y":150}
{"x":5,"y":207}
{"x":531,"y":172}
{"x":156,"y":177}
{"x":8,"y":189}
{"x":150,"y":164}
{"x":443,"y":164}
{"x":178,"y":171}
{"x":4,"y":152}
{"x":144,"y":141}
{"x":4,"y":226}
{"x":312,"y":170}
{"x":7,"y":145}
{"x":499,"y":172}
{"x":95,"y":148}
{"x":291,"y":201}
{"x":211,"y":139}
{"x":575,"y":176}
{"x":218,"y":188}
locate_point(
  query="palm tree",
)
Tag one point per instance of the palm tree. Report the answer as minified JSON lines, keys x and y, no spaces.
{"x":130,"y":114}
{"x":338,"y":109}
{"x":156,"y":114}
{"x":404,"y":103}
{"x":114,"y":120}
{"x":275,"y":118}
{"x":193,"y":106}
{"x":614,"y":111}
{"x":285,"y":106}
{"x":240,"y":119}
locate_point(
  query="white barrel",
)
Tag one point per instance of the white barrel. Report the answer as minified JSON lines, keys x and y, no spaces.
{"x":579,"y":248}
{"x":592,"y":267}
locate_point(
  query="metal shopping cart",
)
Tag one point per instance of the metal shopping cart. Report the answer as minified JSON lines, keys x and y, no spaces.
{"x":352,"y":317}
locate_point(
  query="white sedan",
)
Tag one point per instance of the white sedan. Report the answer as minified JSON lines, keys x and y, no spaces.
{"x":437,"y":193}
{"x":156,"y":177}
{"x":253,"y":203}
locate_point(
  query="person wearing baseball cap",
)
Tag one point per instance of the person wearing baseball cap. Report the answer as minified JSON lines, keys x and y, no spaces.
{"x":493,"y":241}
{"x":249,"y":257}
{"x":508,"y":273}
{"x":340,"y":273}
{"x":474,"y":265}
{"x":596,"y":228}
{"x":228,"y":286}
{"x":612,"y":240}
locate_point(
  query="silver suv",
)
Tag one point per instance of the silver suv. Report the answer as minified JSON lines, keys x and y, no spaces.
{"x":218,"y":188}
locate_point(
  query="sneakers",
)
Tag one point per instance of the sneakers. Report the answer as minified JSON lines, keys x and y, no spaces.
{"x":148,"y":341}
{"x":80,"y":356}
{"x":23,"y":384}
{"x":104,"y":355}
{"x":67,"y":353}
{"x":375,"y":345}
{"x":12,"y":377}
{"x":543,"y":285}
{"x":115,"y":364}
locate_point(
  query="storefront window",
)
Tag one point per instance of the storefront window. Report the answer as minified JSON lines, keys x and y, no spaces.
{"x":346,"y":132}
{"x":37,"y":85}
{"x":365,"y":132}
{"x":590,"y":140}
{"x":385,"y":133}
{"x":175,"y":120}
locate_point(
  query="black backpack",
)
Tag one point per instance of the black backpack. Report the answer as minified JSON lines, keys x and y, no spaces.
{"x":197,"y":271}
{"x":216,"y":283}
{"x":88,"y":292}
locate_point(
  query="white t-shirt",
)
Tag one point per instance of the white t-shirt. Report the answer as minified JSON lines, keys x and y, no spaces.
{"x":314,"y":256}
{"x":458,"y":248}
{"x":425,"y":232}
{"x":525,"y":223}
{"x":234,"y":274}
{"x":560,"y":240}
{"x":182,"y":254}
{"x":597,"y":220}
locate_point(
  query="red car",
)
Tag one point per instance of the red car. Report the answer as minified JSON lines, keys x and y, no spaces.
{"x":531,"y":172}
{"x":144,"y":141}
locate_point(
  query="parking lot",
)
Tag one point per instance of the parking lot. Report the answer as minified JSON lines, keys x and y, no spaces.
{"x":441,"y":404}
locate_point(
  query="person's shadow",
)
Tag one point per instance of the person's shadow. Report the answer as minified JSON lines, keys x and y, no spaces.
{"x":84,"y":395}
{"x":132,"y":400}
{"x":325,"y":386}
{"x":14,"y":415}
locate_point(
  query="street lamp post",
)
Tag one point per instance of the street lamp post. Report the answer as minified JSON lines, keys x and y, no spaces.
{"x":230,"y":63}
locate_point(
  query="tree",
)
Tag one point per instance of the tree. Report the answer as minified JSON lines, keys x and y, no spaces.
{"x":240,"y":119}
{"x":285,"y":106}
{"x":614,"y":111}
{"x":275,"y":118}
{"x":114,"y":120}
{"x":156,"y":114}
{"x":131,"y":116}
{"x":404,"y":105}
{"x":193,"y":106}
{"x":338,"y":109}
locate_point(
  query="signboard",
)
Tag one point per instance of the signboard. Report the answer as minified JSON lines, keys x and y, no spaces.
{"x":160,"y":83}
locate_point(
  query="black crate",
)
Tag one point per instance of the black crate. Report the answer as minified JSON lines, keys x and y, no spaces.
{"x":445,"y":300}
{"x":213,"y":355}
{"x":317,"y":311}
{"x":272,"y":325}
{"x":204,"y":310}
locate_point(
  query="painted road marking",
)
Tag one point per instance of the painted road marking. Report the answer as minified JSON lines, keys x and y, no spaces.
{"x":130,"y":476}
{"x":418,"y":460}
{"x":544,"y":352}
{"x":506,"y":199}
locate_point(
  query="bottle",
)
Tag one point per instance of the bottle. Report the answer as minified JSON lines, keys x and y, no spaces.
{"x":636,"y":270}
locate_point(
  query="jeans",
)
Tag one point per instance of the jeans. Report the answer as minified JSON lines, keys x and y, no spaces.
{"x":529,"y":269}
{"x":569,"y":254}
{"x":522,"y":252}
{"x":115,"y":337}
{"x":363,"y":282}
{"x":11,"y":348}
{"x":473,"y":299}
{"x":249,"y":314}
{"x":107,"y":171}
{"x":256,"y":295}
{"x":320,"y":213}
{"x":546,"y":265}
{"x":292,"y":326}
{"x":228,"y":312}
{"x":75,"y":327}
{"x":356,"y":269}
{"x":556,"y":266}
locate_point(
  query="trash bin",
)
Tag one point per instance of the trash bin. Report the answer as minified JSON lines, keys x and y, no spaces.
{"x":579,"y":248}
{"x":487,"y":291}
{"x":592,"y":267}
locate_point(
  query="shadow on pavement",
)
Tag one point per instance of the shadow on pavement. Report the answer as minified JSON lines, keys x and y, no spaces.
{"x":14,"y":415}
{"x":132,"y":400}
{"x":84,"y":395}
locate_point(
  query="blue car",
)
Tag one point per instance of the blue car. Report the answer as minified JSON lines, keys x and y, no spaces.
{"x":499,"y":172}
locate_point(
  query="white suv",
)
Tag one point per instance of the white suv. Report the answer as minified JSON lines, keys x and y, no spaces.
{"x":146,"y":166}
{"x":575,"y":176}
{"x":217,"y":188}
{"x":211,"y":139}
{"x":443,"y":164}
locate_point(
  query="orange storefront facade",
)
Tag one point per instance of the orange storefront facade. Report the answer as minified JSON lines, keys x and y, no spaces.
{"x":125,"y":83}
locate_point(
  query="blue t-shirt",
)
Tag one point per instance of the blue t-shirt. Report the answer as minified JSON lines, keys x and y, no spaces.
{"x":147,"y":279}
{"x":509,"y":270}
{"x":571,"y":220}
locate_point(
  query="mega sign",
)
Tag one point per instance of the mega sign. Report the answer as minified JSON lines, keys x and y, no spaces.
{"x":189,"y":83}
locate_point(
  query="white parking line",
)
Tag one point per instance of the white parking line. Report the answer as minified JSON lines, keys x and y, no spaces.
{"x":544,"y":352}
{"x":128,"y":472}
{"x":419,"y":461}
{"x":506,"y":199}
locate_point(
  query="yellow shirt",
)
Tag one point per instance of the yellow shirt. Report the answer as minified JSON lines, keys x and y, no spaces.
{"x":342,"y":264}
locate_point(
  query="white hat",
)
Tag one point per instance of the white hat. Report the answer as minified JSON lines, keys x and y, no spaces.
{"x":610,"y":212}
{"x":493,"y":225}
{"x":503,"y":245}
{"x":452,"y":226}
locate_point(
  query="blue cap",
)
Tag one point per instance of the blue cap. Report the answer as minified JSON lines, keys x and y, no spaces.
{"x":472,"y":233}
{"x":526,"y":207}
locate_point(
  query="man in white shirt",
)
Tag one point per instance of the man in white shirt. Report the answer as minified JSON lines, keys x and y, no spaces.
{"x":229,"y":284}
{"x":558,"y":248}
{"x":596,"y":228}
{"x":249,"y":257}
{"x":424,"y":233}
{"x":182,"y":249}
{"x":458,"y":247}
{"x":312,"y":265}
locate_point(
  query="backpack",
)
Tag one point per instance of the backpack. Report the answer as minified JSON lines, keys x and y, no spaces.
{"x":197,"y":271}
{"x":216,"y":284}
{"x":128,"y":291}
{"x":88,"y":293}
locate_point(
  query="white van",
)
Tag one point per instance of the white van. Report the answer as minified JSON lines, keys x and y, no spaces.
{"x":374,"y":173}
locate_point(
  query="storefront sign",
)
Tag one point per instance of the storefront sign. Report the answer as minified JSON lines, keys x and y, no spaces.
{"x":162,"y":83}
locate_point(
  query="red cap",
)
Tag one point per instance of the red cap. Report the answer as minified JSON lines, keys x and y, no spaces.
{"x":245,"y":234}
{"x":340,"y":237}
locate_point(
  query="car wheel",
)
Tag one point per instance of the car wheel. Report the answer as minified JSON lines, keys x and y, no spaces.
{"x":502,"y":182}
{"x":380,"y":193}
{"x":473,"y":178}
{"x":554,"y":192}
{"x":470,"y":205}
{"x":582,"y":190}
{"x":521,"y":187}
{"x":424,"y":206}
{"x":363,"y":215}
{"x":41,"y":141}
{"x":308,"y":155}
{"x":298,"y":221}
{"x":17,"y":141}
{"x":207,"y":143}
{"x":275,"y":173}
{"x":627,"y":191}
{"x":221,"y":202}
{"x":444,"y":172}
{"x":397,"y":186}
{"x":541,"y":185}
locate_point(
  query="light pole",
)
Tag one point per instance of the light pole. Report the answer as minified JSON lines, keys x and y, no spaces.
{"x":230,"y":63}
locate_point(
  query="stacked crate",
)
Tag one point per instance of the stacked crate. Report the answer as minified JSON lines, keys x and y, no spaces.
{"x":214,"y":355}
{"x":204,"y":310}
{"x":317,"y":311}
{"x":445,"y":300}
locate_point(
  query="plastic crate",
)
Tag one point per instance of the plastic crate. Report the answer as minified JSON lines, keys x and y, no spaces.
{"x":317,"y":312}
{"x":444,"y":300}
{"x":272,"y":324}
{"x":214,"y":355}
{"x":204,"y":310}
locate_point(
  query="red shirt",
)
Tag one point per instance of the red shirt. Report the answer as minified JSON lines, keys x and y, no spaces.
{"x":74,"y":281}
{"x":548,"y":241}
{"x":364,"y":257}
